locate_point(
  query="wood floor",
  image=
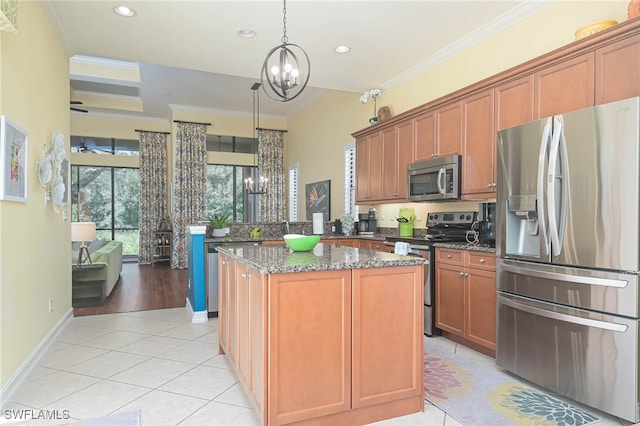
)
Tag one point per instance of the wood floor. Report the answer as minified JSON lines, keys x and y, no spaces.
{"x":142,"y":288}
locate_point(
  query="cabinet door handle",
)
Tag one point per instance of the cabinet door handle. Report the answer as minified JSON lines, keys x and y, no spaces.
{"x":462,"y":274}
{"x":448,"y":256}
{"x":482,"y":260}
{"x":244,"y":275}
{"x":489,"y":185}
{"x":224,"y":262}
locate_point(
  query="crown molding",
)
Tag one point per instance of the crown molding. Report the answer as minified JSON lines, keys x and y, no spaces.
{"x":502,"y":22}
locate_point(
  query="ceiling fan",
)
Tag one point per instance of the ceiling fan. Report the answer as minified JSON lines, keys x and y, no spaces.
{"x":76,"y":108}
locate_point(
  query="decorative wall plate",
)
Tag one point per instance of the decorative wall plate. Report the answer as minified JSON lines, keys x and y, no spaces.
{"x":45,"y":170}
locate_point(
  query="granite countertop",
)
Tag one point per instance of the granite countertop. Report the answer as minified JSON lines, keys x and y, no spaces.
{"x":324,"y":257}
{"x":229,"y":239}
{"x":467,"y":246}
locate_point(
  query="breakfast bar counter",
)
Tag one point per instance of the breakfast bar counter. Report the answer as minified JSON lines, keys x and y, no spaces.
{"x":329,"y":336}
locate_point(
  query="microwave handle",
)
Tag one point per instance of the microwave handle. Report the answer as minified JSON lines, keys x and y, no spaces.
{"x":441,"y":176}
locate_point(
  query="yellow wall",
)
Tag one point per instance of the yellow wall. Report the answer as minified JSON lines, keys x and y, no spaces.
{"x":320,"y":131}
{"x":34,"y":240}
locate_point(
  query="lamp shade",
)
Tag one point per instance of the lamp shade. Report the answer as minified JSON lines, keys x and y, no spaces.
{"x":83,"y":231}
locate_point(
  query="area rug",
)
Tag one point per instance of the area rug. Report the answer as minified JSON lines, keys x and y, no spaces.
{"x":477,"y":395}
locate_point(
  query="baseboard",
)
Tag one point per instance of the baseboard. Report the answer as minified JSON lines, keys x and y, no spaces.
{"x":197,"y":317}
{"x":7,"y":391}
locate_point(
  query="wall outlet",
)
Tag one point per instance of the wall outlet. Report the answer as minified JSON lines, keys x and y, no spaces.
{"x":50,"y":305}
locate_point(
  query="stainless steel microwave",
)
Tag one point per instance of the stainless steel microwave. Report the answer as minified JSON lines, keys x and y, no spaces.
{"x":434,"y":180}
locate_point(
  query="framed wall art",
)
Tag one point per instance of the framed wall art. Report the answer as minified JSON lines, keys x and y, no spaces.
{"x":318,"y":199}
{"x":13,"y":161}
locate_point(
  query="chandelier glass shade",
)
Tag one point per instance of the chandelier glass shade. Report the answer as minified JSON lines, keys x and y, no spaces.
{"x":286,"y":69}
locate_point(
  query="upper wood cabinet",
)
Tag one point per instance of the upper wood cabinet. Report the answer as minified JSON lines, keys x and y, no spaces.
{"x":566,"y":86}
{"x":424,"y":127}
{"x":381,"y":163}
{"x":479,"y":148}
{"x":389,"y":160}
{"x":514,"y":103}
{"x":405,"y":145}
{"x":618,"y":71}
{"x":448,"y":129}
{"x":604,"y":67}
{"x":369,"y":168}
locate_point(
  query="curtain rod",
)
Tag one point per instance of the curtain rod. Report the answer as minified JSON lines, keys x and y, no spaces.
{"x":274,"y":130}
{"x":192,"y":122}
{"x":152,"y":131}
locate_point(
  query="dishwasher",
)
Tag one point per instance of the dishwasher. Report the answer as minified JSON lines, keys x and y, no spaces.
{"x":212,"y":272}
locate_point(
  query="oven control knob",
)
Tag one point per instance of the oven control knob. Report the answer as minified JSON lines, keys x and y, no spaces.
{"x":461,"y":217}
{"x":468,"y":217}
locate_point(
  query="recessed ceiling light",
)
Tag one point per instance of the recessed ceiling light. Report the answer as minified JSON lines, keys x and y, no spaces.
{"x":124,"y":11}
{"x":341,"y":49}
{"x":246,"y":33}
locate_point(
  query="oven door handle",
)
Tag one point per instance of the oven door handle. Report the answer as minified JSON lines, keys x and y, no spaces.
{"x":620,"y":328}
{"x":563,"y":277}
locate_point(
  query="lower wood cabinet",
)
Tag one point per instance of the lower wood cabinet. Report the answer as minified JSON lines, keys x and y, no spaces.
{"x":309,"y":346}
{"x":374,"y":245}
{"x":466,"y":295}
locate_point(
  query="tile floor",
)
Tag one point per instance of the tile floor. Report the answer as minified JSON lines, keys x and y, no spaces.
{"x":161,"y":363}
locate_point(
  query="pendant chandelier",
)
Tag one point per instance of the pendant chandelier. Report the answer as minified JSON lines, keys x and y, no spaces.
{"x":259,"y":187}
{"x":286,"y":69}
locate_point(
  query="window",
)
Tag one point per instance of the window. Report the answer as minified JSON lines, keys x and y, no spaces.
{"x":225,"y":192}
{"x":293,"y":192}
{"x":108,"y":196}
{"x":113,"y":146}
{"x":219,"y":143}
{"x":350,"y":179}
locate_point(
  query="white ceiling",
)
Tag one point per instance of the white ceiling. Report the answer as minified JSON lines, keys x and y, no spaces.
{"x":189,"y":53}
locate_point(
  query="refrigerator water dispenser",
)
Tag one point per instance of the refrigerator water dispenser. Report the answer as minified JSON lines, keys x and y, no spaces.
{"x":522,"y":229}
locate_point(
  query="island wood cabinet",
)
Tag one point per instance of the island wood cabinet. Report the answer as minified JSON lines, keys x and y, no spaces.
{"x":466,"y":295}
{"x":306,"y":345}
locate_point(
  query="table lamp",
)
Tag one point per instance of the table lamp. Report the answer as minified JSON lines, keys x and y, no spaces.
{"x":83,"y":232}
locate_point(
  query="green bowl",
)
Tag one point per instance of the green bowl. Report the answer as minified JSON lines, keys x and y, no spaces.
{"x":297,"y":242}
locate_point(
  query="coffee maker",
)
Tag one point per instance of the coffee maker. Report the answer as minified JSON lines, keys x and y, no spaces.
{"x":367,"y":222}
{"x":487,"y":224}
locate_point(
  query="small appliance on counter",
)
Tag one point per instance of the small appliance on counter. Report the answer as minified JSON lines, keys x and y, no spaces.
{"x":367,"y":223}
{"x":487,"y":224}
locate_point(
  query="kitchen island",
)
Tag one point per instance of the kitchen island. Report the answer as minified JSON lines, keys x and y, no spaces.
{"x":332,"y":336}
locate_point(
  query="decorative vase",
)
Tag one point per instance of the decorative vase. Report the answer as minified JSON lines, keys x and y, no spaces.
{"x":218,"y":232}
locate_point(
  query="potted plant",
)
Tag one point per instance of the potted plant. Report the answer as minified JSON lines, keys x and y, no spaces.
{"x":218,"y":223}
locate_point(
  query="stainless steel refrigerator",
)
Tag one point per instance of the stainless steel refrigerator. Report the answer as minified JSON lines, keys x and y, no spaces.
{"x":567,"y":237}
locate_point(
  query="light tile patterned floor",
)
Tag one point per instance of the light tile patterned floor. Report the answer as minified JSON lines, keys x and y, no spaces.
{"x":161,"y":363}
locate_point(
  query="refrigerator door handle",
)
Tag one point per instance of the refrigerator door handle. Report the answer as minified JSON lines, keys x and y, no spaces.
{"x":441,"y":175}
{"x":620,"y":328}
{"x":578,"y":279}
{"x":542,"y":158}
{"x":554,"y":154}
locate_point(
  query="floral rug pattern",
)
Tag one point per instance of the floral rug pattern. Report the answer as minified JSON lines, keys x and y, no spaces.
{"x":477,"y":395}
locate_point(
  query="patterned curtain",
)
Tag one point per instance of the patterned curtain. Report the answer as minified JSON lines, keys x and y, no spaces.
{"x":189,"y":187}
{"x":153,"y":189}
{"x":272,"y":206}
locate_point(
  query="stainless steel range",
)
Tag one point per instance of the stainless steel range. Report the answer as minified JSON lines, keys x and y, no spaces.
{"x":447,"y":227}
